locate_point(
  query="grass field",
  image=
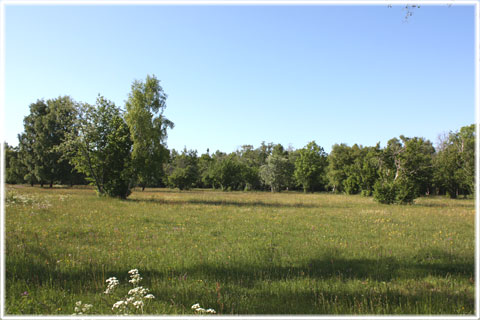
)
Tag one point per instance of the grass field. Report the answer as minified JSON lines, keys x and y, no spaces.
{"x":239,"y":253}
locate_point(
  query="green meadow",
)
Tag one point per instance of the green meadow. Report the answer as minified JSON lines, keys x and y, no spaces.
{"x":238,"y":252}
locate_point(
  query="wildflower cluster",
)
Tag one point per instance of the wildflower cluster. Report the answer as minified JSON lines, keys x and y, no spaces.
{"x":81,"y":308}
{"x":136,"y":298}
{"x":200,"y":310}
{"x":112,"y":284}
{"x":134,"y":277}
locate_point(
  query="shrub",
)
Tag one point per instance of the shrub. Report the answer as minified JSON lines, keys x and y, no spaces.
{"x":384,"y":192}
{"x":405,"y":192}
{"x":399,"y":192}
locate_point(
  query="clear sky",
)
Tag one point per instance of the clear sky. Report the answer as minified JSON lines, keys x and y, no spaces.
{"x":239,"y":75}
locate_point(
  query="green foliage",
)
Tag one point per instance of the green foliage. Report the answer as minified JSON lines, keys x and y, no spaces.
{"x":406,"y":169}
{"x":310,"y":167}
{"x":276,"y":171}
{"x":384,"y":192}
{"x":339,"y":160}
{"x":44,"y":130}
{"x":148,"y":128}
{"x":405,"y":191}
{"x":351,"y":185}
{"x":14,"y":168}
{"x":99,"y":146}
{"x":454,"y":162}
{"x":398,"y":192}
{"x":182,"y":171}
{"x":205,"y":171}
{"x":226,"y":172}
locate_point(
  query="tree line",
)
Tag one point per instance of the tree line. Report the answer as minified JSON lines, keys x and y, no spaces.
{"x":116,"y":149}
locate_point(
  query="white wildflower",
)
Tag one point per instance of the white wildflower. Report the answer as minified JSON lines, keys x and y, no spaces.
{"x":135,"y":299}
{"x":135,"y":279}
{"x":138,"y":291}
{"x":196,"y":306}
{"x":118,"y":304}
{"x":86,"y":307}
{"x":201,"y":310}
{"x":112,"y":284}
{"x":81,"y":308}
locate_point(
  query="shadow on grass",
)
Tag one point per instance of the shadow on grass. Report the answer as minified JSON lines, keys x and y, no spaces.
{"x":228,"y":203}
{"x":38,"y":269}
{"x":38,"y":266}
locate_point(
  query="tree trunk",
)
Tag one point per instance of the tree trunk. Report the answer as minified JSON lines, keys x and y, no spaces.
{"x":51,"y":184}
{"x":143,"y":187}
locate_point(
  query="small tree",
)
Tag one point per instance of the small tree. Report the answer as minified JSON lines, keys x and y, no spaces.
{"x":14,"y":169}
{"x":276,"y":171}
{"x":182,"y":171}
{"x":44,"y":131}
{"x":99,"y":145}
{"x":148,"y":128}
{"x":310,"y":167}
{"x":405,"y":168}
{"x":226,"y":171}
{"x":454,"y":162}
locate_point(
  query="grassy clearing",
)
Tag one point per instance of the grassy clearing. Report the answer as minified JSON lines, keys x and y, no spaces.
{"x":239,"y":253}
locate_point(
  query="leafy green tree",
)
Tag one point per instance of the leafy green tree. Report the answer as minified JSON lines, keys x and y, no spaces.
{"x":369,"y":169}
{"x":250,"y":160}
{"x":99,"y":146}
{"x":276,"y":171}
{"x":27,"y":157}
{"x":148,"y":128}
{"x":310,"y":167}
{"x":464,"y":142}
{"x":44,"y":131}
{"x":30,"y":149}
{"x":205,"y":177}
{"x":182,"y":171}
{"x":14,"y":169}
{"x":406,"y":169}
{"x":226,"y":171}
{"x":339,"y":159}
{"x":455,"y":162}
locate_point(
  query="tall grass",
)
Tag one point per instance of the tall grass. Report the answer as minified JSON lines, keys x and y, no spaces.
{"x":239,"y":253}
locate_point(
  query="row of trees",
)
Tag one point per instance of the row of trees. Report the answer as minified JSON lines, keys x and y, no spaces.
{"x":398,"y":173}
{"x":117,"y":148}
{"x":268,"y":167}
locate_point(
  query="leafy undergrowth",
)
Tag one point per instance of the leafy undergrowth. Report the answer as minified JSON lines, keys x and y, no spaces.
{"x":239,"y":252}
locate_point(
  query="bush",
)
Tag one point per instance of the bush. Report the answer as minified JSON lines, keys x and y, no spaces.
{"x":384,"y":192}
{"x":404,"y":192}
{"x":182,"y":178}
{"x":399,"y":192}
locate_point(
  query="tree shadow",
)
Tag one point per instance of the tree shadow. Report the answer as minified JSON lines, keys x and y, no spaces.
{"x":227,"y":203}
{"x":37,"y":264}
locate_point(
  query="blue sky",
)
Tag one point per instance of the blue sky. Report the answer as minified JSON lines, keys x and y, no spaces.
{"x":239,"y":75}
